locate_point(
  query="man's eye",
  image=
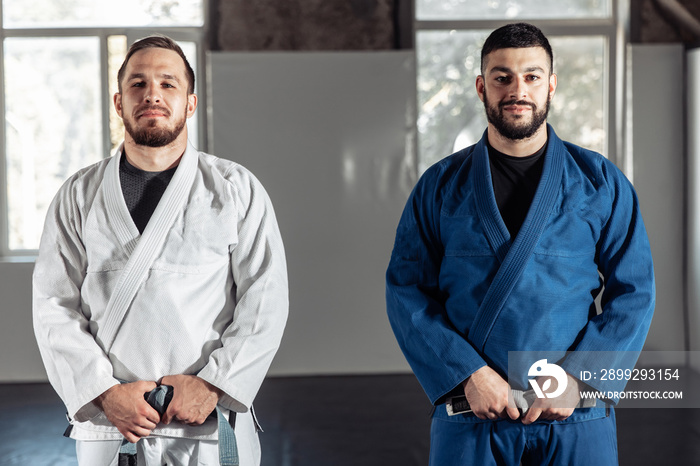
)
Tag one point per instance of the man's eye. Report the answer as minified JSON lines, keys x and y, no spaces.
{"x":503,"y":79}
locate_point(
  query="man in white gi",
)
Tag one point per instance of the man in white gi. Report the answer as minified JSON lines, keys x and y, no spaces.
{"x":160,"y":266}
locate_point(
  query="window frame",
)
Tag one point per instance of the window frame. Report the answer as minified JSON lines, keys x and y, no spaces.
{"x":195,"y":34}
{"x":614,"y":29}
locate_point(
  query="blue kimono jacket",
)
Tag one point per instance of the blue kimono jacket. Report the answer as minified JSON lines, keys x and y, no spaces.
{"x":461,"y":293}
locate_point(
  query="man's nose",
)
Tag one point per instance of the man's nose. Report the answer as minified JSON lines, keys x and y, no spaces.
{"x":518,"y":89}
{"x":152,"y":94}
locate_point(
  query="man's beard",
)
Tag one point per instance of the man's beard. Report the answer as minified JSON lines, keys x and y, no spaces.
{"x":153,"y":136}
{"x":511,"y":130}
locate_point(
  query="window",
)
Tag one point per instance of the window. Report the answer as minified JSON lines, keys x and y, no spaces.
{"x":511,"y":9}
{"x":585,"y":36}
{"x":59,"y":62}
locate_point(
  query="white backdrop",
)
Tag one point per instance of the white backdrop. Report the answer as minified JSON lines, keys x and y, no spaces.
{"x":693,"y":141}
{"x":658,"y":159}
{"x":330,"y":135}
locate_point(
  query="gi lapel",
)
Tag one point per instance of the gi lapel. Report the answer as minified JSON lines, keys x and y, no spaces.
{"x":514,"y":261}
{"x":496,"y":230}
{"x":149,"y":244}
{"x":119,"y":216}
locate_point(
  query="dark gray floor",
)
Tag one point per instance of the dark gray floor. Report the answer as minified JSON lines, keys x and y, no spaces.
{"x":336,"y":421}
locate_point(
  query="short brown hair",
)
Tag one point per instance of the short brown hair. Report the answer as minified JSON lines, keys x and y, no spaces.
{"x":161,"y":42}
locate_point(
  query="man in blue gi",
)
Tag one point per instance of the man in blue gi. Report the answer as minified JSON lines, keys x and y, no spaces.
{"x":503,"y":247}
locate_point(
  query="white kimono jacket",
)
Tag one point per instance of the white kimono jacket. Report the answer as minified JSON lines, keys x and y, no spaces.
{"x":214,"y":301}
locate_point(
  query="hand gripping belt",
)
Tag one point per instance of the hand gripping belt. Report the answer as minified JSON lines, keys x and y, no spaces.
{"x":159,"y":398}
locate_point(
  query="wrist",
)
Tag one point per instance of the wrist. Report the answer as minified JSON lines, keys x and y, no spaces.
{"x":99,"y":400}
{"x":213,"y":389}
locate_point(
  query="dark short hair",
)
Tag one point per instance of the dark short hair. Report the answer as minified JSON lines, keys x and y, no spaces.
{"x":161,"y":42}
{"x":517,"y":35}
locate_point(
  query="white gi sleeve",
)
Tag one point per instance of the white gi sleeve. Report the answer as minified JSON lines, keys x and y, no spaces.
{"x":262,"y":302}
{"x":76,"y":366}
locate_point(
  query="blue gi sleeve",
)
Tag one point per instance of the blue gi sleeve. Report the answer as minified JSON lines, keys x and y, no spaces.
{"x":613,"y":338}
{"x":440,"y":356}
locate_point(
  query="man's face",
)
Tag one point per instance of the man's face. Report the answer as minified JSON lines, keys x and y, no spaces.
{"x":516,"y":87}
{"x":153,"y":101}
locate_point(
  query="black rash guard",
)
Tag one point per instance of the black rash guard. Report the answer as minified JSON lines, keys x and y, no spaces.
{"x":142,"y":190}
{"x":515,"y":181}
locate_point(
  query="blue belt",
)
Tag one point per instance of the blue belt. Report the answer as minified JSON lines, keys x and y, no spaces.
{"x":159,"y":398}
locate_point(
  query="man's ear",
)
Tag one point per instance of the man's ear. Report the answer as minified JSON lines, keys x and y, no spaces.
{"x":480,"y":87}
{"x":191,"y":104}
{"x":118,"y":104}
{"x":552,"y":85}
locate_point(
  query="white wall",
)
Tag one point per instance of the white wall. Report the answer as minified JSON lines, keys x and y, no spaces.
{"x":330,"y":137}
{"x":19,"y":355}
{"x":693,"y":122}
{"x":659,"y":167}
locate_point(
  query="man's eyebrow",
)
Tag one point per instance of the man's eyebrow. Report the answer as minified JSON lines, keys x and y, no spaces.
{"x":170,"y":77}
{"x":535,"y":69}
{"x":163,"y":75}
{"x":505,"y":69}
{"x":135,"y":76}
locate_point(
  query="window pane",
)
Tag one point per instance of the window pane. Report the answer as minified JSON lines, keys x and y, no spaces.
{"x":101,"y":13}
{"x":52,"y":124}
{"x":506,"y":9}
{"x":451,"y":116}
{"x":449,"y":111}
{"x":578,"y":109}
{"x":116,"y":51}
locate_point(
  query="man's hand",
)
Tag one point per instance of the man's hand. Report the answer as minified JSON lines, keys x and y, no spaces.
{"x":555,"y":409}
{"x":488,"y":395}
{"x":126,"y":408}
{"x":193,"y":399}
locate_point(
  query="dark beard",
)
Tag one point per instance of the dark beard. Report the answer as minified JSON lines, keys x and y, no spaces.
{"x":511,"y":131}
{"x":151,"y":136}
